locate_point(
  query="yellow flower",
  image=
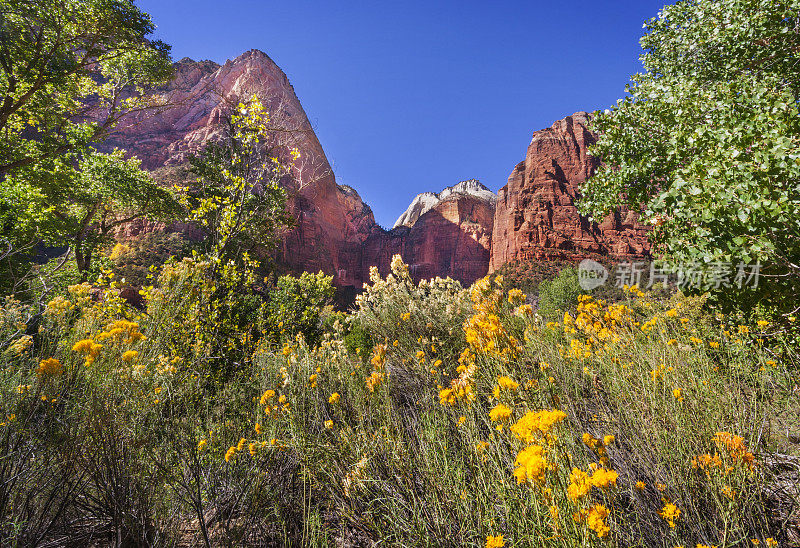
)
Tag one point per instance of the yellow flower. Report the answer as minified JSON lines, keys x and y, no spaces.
{"x":282,"y":398}
{"x":608,"y":440}
{"x":405,"y":317}
{"x":762,"y":323}
{"x":507,"y":383}
{"x":266,"y":396}
{"x":50,"y":367}
{"x":596,"y":520}
{"x":329,"y":424}
{"x":640,"y":485}
{"x":670,"y":513}
{"x":240,"y":445}
{"x":129,"y":356}
{"x":771,"y":542}
{"x":461,"y":420}
{"x":677,"y":394}
{"x":334,"y":398}
{"x":202,"y":444}
{"x":495,"y":542}
{"x":531,"y":464}
{"x":579,"y":485}
{"x":253,"y":448}
{"x":229,"y":454}
{"x":258,"y":429}
{"x":602,"y":478}
{"x":537,"y":424}
{"x":500,"y":413}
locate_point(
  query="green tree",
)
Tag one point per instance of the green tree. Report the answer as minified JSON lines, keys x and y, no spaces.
{"x":238,"y":198}
{"x":707,"y":142}
{"x":69,"y":71}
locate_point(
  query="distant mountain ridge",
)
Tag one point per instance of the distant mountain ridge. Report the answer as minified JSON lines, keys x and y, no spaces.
{"x":464,"y":231}
{"x":426,"y":201}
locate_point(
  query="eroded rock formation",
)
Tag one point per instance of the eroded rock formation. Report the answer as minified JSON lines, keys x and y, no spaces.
{"x":331,"y":221}
{"x":536,"y":217}
{"x":462,"y":232}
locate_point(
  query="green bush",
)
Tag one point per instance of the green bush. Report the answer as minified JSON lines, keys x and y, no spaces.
{"x":559,"y":294}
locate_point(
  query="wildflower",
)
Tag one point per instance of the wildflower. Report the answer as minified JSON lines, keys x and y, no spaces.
{"x":88,"y":347}
{"x":677,"y":394}
{"x":495,"y":542}
{"x":771,"y":542}
{"x":313,"y":380}
{"x":252,"y":448}
{"x":516,"y":296}
{"x":420,"y":355}
{"x":500,"y":413}
{"x":334,"y":398}
{"x":282,"y":398}
{"x":713,"y":344}
{"x":461,"y":420}
{"x":531,"y":464}
{"x":579,"y":485}
{"x":329,"y":424}
{"x":259,"y":430}
{"x":507,"y":383}
{"x":229,"y":454}
{"x":728,"y":492}
{"x":602,"y":478}
{"x":670,"y":513}
{"x":405,"y":317}
{"x":608,"y":440}
{"x":640,"y":485}
{"x":202,"y":444}
{"x":49,"y":367}
{"x":536,"y":423}
{"x":762,"y":323}
{"x":374,"y":380}
{"x":129,"y":355}
{"x":266,"y":396}
{"x":240,"y":445}
{"x":596,"y":520}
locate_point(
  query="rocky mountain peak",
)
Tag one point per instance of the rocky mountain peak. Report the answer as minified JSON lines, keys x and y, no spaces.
{"x":427,"y":201}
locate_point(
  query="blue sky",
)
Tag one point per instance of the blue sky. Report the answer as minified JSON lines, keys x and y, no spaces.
{"x":413,"y":96}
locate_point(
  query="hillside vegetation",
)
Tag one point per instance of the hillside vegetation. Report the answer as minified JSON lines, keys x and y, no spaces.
{"x":430,"y":415}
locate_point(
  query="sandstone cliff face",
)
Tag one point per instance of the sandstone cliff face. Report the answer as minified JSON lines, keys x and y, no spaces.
{"x":444,"y":234}
{"x":536,"y":217}
{"x":331,"y":221}
{"x":463,"y":231}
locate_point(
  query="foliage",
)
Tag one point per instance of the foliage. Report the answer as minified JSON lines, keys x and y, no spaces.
{"x":707,"y":143}
{"x":641,"y":423}
{"x":69,"y":71}
{"x":295,"y":306}
{"x":237,"y":197}
{"x":559,"y":294}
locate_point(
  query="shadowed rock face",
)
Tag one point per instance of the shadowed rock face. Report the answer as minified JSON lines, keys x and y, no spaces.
{"x":536,"y":217}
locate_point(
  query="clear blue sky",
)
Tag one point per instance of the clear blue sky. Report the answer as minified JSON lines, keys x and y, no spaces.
{"x":413,"y":96}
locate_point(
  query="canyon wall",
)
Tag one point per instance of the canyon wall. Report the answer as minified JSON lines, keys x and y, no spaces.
{"x":536,"y":217}
{"x":463,"y":231}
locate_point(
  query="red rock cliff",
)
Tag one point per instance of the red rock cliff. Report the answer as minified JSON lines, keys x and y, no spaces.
{"x":536,"y":217}
{"x":331,"y":221}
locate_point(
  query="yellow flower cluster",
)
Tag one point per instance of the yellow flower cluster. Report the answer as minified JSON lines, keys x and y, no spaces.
{"x":534,"y":425}
{"x":484,"y":331}
{"x":461,"y":388}
{"x":49,"y":368}
{"x":121,"y":331}
{"x":88,"y":347}
{"x":378,"y":362}
{"x":495,"y":542}
{"x":670,"y":513}
{"x":531,"y":464}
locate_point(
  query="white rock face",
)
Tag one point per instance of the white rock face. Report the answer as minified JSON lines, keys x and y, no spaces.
{"x":428,"y":200}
